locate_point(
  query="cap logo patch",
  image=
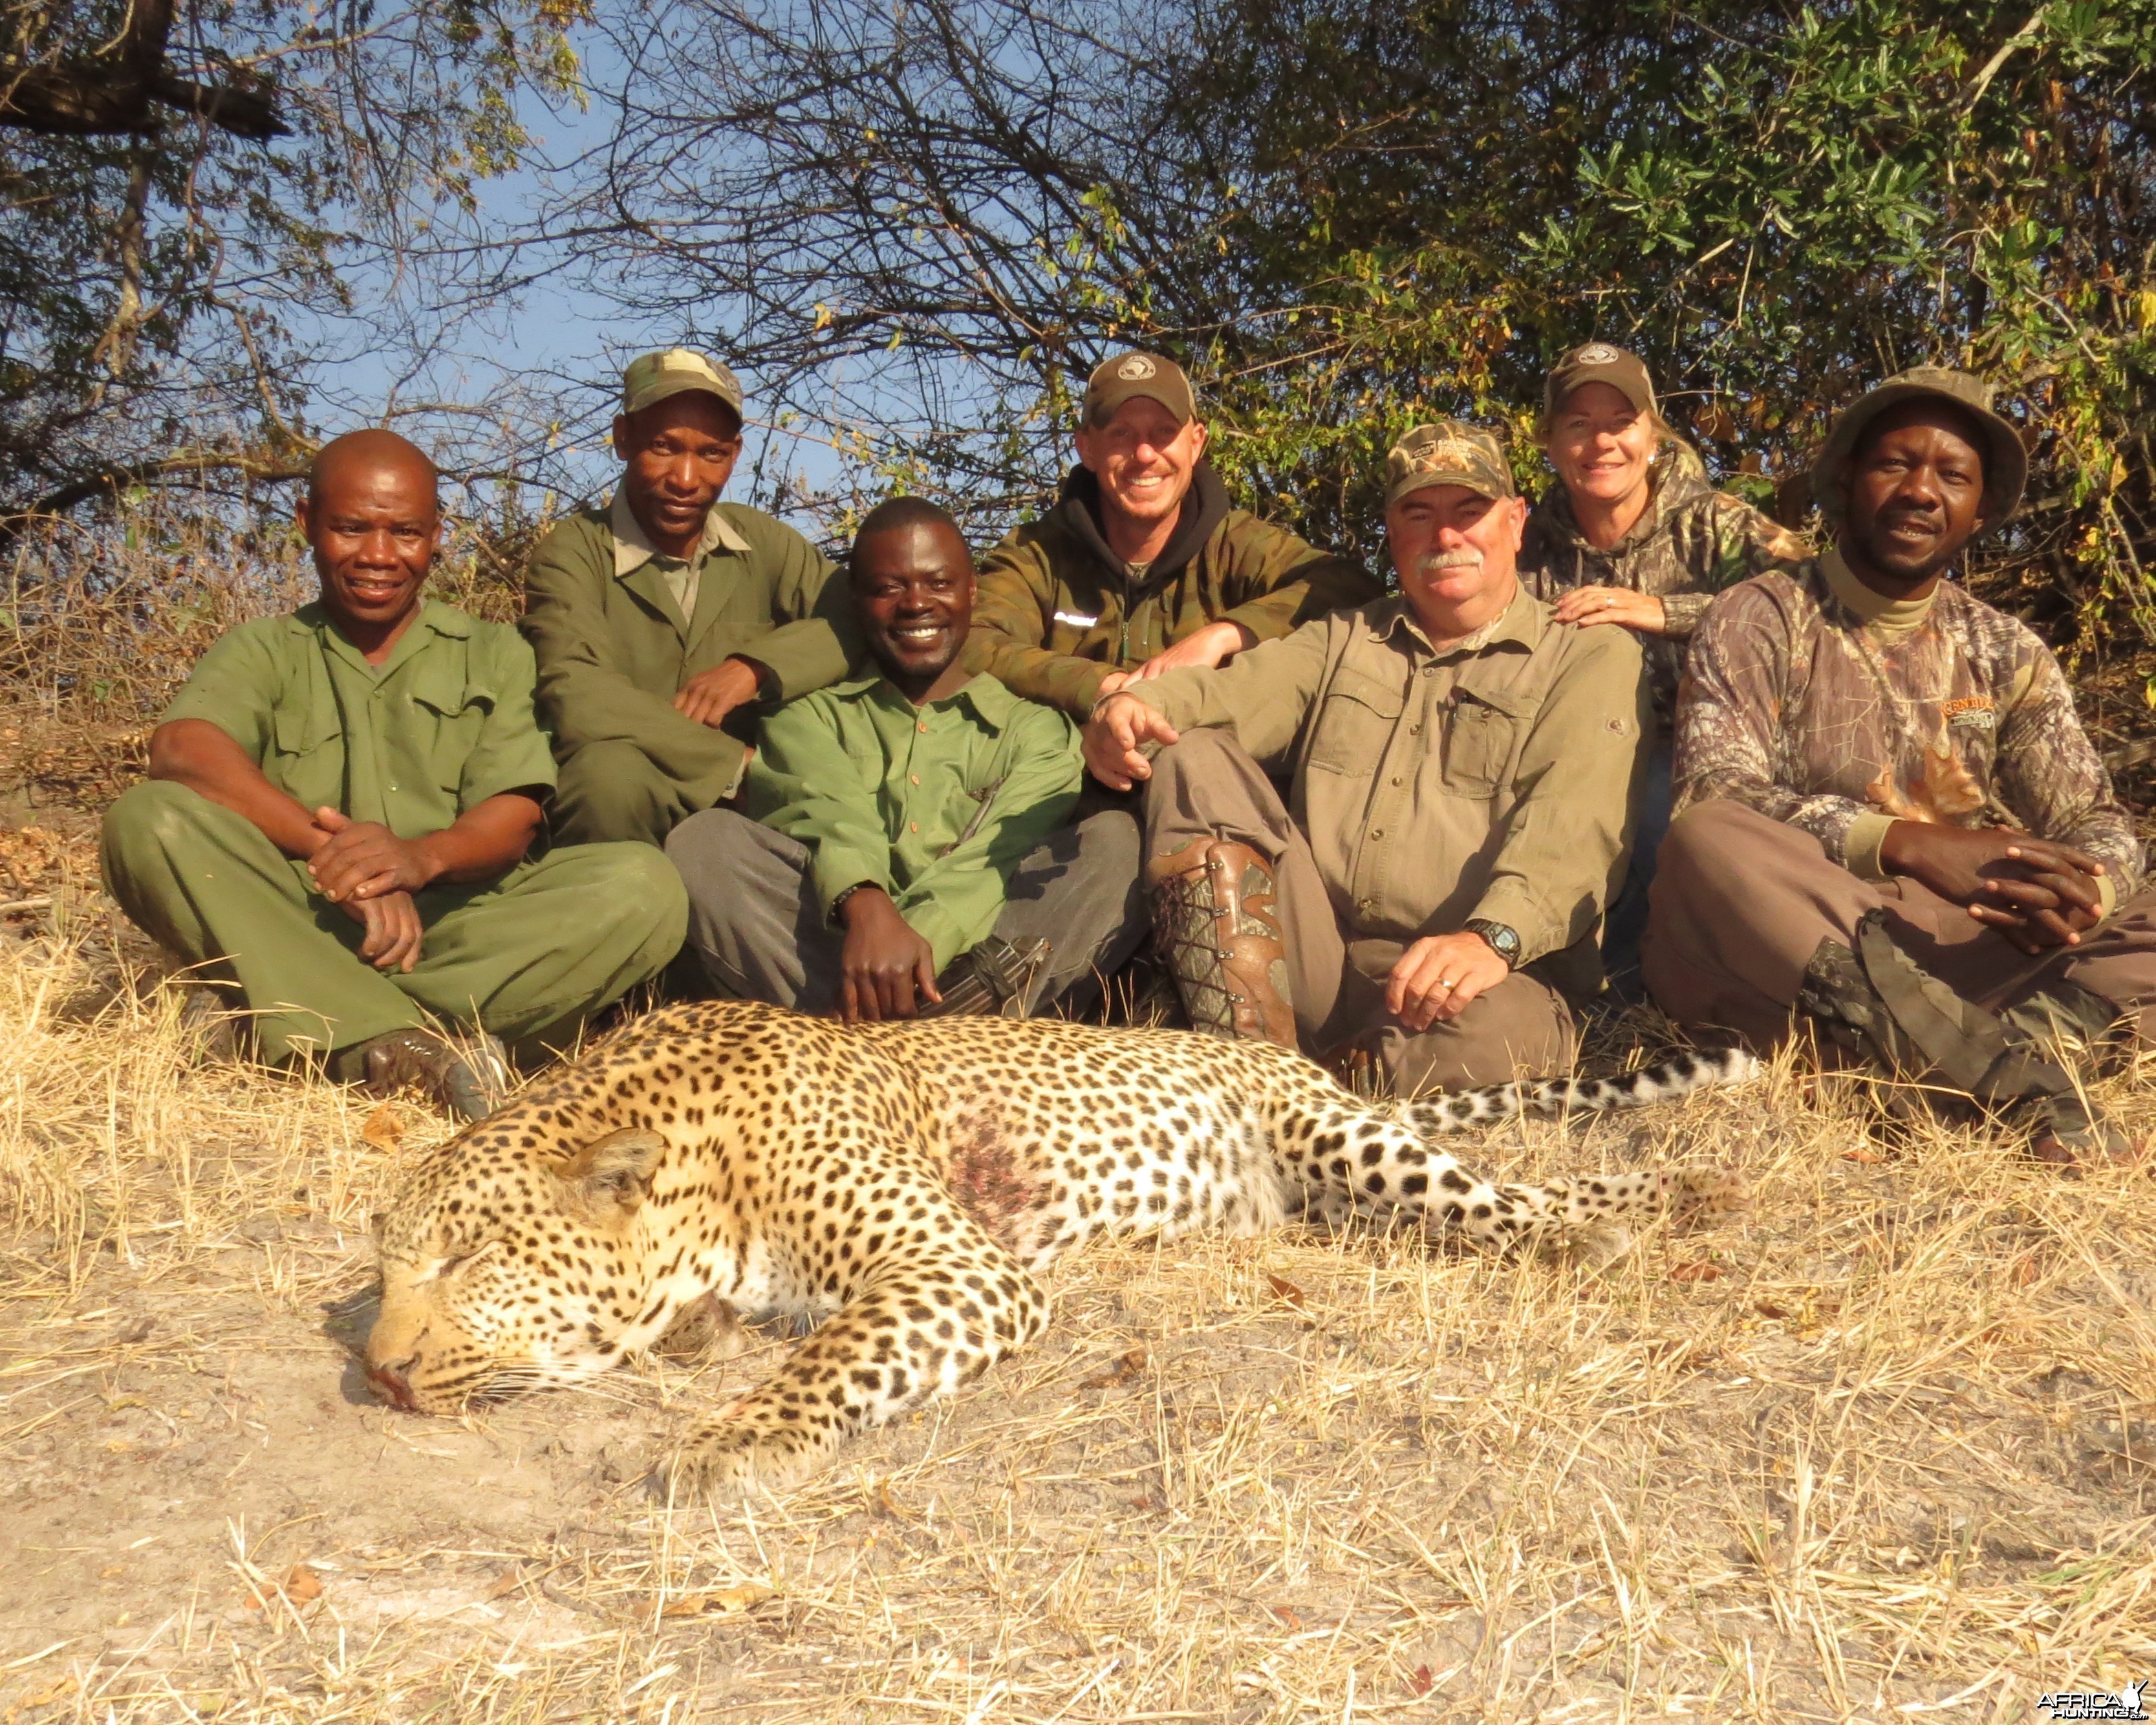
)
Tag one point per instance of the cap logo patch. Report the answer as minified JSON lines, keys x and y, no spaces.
{"x":1136,"y":368}
{"x":1594,"y":353}
{"x":1452,"y":453}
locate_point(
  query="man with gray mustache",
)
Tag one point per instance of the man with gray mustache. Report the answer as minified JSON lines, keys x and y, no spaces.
{"x":1464,"y":773}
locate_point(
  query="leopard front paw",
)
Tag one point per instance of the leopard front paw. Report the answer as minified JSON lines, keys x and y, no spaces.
{"x":731,"y":1459}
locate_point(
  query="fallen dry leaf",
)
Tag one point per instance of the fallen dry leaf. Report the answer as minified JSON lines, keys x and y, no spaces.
{"x":1698,"y":1270}
{"x":1283,"y":1288}
{"x":299,"y":1584}
{"x":888,"y":1505}
{"x":1126,"y":1367}
{"x":1767,"y":1308}
{"x":384,"y":1128}
{"x":1863,"y":1154}
{"x":722,"y":1602}
{"x":1419,"y":1683}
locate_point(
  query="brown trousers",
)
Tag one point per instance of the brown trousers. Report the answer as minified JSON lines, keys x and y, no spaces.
{"x":1208,"y":787}
{"x":1741,"y":902}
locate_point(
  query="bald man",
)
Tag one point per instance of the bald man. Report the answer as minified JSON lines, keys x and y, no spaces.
{"x":339,"y":806}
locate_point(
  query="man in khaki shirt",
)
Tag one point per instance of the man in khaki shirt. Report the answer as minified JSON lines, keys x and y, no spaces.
{"x":1464,"y":771}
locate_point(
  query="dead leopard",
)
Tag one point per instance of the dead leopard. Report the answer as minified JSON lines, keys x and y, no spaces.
{"x":901,"y":1182}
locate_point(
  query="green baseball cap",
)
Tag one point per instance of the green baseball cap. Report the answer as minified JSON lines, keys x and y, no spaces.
{"x":653,"y":377}
{"x":1451,"y":451}
{"x":2005,"y":461}
{"x":1599,"y":362}
{"x":1124,"y":377}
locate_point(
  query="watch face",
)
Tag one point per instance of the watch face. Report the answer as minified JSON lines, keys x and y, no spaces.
{"x":1503,"y":941}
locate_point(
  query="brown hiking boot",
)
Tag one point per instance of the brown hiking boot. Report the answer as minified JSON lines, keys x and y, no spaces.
{"x":467,"y":1085}
{"x":1216,"y":927}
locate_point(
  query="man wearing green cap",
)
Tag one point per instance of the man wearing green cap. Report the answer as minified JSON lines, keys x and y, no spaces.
{"x":339,"y":809}
{"x":1463,"y":776}
{"x":1891,"y":822}
{"x":664,"y":621}
{"x":1143,"y":565}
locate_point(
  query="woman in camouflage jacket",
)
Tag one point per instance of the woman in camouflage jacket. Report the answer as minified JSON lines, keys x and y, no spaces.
{"x":1632,"y":534}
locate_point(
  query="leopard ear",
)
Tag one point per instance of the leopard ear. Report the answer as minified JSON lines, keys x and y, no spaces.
{"x":612,"y":1175}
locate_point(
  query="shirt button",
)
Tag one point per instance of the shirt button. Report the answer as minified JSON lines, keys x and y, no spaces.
{"x":916,"y":779}
{"x":913,"y":826}
{"x":1377,"y":832}
{"x":922,"y":725}
{"x":1396,"y":778}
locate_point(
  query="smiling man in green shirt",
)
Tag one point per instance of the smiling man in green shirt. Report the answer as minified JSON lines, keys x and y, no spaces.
{"x":905,"y":848}
{"x":339,"y":808}
{"x":666,"y":620}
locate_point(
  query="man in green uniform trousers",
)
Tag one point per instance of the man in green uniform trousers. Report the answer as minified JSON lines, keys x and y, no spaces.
{"x":663,"y":620}
{"x":339,"y":806}
{"x":1143,"y":567}
{"x":905,"y":848}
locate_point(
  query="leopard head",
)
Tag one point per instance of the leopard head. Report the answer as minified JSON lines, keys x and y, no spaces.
{"x":516,"y":1256}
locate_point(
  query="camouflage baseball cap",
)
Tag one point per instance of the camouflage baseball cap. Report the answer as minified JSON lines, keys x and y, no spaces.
{"x":1449,"y":453}
{"x":1124,"y":377}
{"x":653,"y":377}
{"x":1598,"y":363}
{"x":2006,"y":462}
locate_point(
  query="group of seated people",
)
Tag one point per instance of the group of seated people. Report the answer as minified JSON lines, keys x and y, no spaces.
{"x":1635,"y":740}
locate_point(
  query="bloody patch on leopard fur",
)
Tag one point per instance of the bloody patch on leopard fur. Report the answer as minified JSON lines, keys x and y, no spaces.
{"x":991,"y":1181}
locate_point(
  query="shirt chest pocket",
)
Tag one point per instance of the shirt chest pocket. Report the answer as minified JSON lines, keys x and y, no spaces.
{"x":301,"y":730}
{"x":449,"y":716}
{"x":1483,"y":730}
{"x":1357,"y":721}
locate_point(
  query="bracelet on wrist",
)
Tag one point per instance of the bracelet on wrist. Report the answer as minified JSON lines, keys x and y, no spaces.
{"x":838,"y":903}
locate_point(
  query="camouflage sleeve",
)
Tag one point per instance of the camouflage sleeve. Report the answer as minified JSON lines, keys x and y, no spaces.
{"x":1276,"y":581}
{"x":2050,"y":779}
{"x":1736,"y":683}
{"x":1014,"y":594}
{"x":1731,"y":541}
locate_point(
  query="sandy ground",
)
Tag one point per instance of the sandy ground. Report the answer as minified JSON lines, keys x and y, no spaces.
{"x":1881,"y":1447}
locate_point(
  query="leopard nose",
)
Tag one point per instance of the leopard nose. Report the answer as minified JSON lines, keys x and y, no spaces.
{"x":388,"y":1380}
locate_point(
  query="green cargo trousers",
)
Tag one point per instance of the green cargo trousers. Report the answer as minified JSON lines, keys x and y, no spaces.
{"x":609,"y":792}
{"x":529,"y":956}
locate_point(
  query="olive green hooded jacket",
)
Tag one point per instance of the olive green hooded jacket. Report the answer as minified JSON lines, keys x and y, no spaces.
{"x":1056,"y":610}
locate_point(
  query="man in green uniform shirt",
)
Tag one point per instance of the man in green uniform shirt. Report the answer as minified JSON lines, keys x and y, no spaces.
{"x":1143,"y":566}
{"x":339,"y":806}
{"x":908,"y":848}
{"x":662,"y":620}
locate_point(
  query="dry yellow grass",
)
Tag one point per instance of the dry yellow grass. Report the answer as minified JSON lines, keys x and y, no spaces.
{"x":1880,"y":1449}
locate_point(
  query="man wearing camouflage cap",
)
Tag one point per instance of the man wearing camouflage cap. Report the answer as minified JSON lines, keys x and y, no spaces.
{"x":1143,"y":566}
{"x":1464,"y":771}
{"x":1891,"y":824}
{"x":664,"y":620}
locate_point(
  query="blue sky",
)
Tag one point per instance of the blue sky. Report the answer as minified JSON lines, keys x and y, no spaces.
{"x":551,"y":357}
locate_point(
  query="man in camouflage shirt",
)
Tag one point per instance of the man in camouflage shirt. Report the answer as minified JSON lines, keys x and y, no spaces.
{"x":1890,"y":820}
{"x":1143,"y":566}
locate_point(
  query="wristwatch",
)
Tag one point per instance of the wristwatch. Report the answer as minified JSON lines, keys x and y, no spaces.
{"x":1504,"y":942}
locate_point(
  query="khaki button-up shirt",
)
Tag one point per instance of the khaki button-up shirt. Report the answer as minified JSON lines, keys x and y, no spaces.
{"x":439,"y":726}
{"x":1495,"y":778}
